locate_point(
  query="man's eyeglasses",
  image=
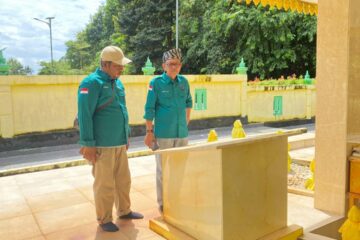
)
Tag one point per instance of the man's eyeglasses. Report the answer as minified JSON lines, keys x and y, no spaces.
{"x":173,"y":64}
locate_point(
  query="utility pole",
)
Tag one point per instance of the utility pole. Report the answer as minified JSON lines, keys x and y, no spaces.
{"x":177,"y":24}
{"x":51,"y":49}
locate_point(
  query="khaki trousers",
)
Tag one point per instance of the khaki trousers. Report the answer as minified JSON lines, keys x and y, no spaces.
{"x":112,"y":182}
{"x":165,"y":143}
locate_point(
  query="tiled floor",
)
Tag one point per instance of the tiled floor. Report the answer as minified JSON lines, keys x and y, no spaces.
{"x":58,"y":204}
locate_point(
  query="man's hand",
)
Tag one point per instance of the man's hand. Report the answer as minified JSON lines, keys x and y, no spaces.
{"x":128,"y":144}
{"x":89,"y":153}
{"x":149,"y":139}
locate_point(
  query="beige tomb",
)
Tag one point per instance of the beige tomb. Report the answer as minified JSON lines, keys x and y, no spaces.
{"x":231,"y":189}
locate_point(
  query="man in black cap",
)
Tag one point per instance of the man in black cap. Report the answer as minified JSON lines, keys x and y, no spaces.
{"x":169,"y":104}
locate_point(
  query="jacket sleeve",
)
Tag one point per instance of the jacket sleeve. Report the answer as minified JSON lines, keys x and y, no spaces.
{"x":189,"y":102}
{"x":88,"y":95}
{"x":150,"y":102}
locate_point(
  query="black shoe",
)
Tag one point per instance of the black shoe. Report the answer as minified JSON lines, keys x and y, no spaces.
{"x":109,"y":227}
{"x":132,"y":215}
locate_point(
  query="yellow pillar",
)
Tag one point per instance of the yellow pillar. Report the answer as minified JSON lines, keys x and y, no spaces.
{"x":338,"y":99}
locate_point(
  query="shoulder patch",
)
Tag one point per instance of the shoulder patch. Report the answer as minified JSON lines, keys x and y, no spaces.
{"x":152,"y":83}
{"x":84,"y":91}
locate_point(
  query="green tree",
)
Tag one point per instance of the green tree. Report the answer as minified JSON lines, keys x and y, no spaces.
{"x":16,"y":68}
{"x":214,"y":35}
{"x":102,"y":30}
{"x":272,"y":42}
{"x":98,"y":32}
{"x":193,"y":26}
{"x":78,"y":54}
{"x":149,"y":29}
{"x":61,"y":67}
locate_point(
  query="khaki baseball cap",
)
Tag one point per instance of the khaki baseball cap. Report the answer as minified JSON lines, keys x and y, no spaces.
{"x":115,"y":55}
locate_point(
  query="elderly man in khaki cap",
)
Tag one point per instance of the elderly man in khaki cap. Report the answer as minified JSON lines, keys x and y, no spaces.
{"x":104,"y":137}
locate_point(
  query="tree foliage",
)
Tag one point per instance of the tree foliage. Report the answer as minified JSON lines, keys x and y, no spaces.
{"x":16,"y":68}
{"x":60,"y":67}
{"x":214,"y":36}
{"x":78,"y":52}
{"x":148,"y":27}
{"x":272,"y":42}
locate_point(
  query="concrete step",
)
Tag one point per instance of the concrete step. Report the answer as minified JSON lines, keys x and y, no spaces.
{"x":309,"y":236}
{"x":327,"y":229}
{"x":302,"y":141}
{"x":302,"y":148}
{"x":302,"y":156}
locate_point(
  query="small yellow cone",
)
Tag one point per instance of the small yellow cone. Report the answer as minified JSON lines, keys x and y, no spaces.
{"x":312,"y":166}
{"x":350,"y":230}
{"x":212,"y":136}
{"x":310,"y":184}
{"x":354,"y":214}
{"x":238,"y":131}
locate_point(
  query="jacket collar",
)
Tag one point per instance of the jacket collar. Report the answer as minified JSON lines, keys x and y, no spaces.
{"x":167,"y":79}
{"x":106,"y":77}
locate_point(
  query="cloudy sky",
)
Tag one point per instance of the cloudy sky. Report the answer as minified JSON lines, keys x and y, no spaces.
{"x":28,"y":40}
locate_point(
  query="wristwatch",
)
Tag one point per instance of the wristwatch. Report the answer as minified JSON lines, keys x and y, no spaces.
{"x":149,"y":131}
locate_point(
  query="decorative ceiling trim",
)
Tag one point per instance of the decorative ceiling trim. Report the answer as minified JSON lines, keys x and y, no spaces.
{"x":301,"y":6}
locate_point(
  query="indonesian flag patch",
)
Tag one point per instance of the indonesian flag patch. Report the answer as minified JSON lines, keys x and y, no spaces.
{"x":84,"y":91}
{"x":150,"y":88}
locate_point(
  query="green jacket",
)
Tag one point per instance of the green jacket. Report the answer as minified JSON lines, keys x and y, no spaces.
{"x":109,"y":126}
{"x":166,"y":102}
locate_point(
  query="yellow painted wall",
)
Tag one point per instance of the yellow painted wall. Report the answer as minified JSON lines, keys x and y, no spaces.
{"x":297,"y":104}
{"x":223,"y":94}
{"x":40,"y":103}
{"x":44,"y":103}
{"x":136,"y":88}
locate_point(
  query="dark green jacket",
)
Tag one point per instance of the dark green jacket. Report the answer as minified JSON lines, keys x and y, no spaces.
{"x":107,"y":127}
{"x":166,"y":102}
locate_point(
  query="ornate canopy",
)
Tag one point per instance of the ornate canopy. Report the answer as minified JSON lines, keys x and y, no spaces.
{"x":300,"y":6}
